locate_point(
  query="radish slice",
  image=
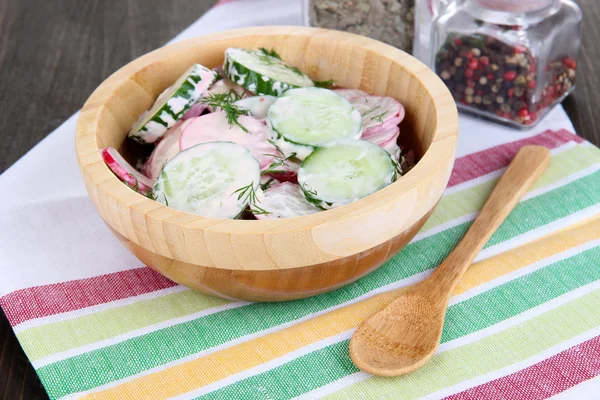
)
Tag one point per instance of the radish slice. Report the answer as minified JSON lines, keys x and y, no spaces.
{"x":125,"y":172}
{"x":214,"y":127}
{"x":383,"y":136}
{"x":350,"y":93}
{"x":166,"y":149}
{"x":284,"y":200}
{"x":257,"y":105}
{"x":378,"y":110}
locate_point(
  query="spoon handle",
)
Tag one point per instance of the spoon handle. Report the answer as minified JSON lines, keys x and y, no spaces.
{"x":521,"y":174}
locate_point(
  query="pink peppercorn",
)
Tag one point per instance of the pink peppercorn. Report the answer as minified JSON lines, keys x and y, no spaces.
{"x":510,"y":75}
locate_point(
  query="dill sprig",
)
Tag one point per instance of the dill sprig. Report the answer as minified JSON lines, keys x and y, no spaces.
{"x":397,"y":165}
{"x":224,"y":101}
{"x":248,"y":195}
{"x":267,"y":184}
{"x":378,"y":118}
{"x":324,"y":84}
{"x":280,"y":161}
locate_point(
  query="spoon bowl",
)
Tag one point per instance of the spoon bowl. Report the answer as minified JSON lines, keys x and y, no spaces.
{"x":400,"y":338}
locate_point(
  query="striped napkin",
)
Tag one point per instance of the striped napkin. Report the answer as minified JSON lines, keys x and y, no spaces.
{"x":523,"y":323}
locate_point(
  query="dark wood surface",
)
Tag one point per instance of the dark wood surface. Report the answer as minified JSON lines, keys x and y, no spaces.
{"x":53,"y":54}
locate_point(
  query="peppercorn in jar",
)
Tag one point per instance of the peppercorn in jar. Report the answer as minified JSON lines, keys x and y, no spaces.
{"x":508,"y":60}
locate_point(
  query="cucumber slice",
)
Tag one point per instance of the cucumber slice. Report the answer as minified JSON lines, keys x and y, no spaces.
{"x":345,"y":171}
{"x":314,"y":117}
{"x":172,"y":104}
{"x":284,"y":200}
{"x":204,"y":179}
{"x":256,"y":105}
{"x":261,"y":73}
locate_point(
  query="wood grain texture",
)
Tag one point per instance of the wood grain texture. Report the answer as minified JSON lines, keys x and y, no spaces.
{"x":404,"y":335}
{"x":62,"y":35}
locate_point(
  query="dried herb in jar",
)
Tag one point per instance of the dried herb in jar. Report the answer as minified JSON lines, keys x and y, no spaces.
{"x":391,"y":21}
{"x":489,"y":76}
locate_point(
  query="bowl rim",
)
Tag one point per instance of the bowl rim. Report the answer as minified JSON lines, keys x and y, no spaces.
{"x":101,"y":178}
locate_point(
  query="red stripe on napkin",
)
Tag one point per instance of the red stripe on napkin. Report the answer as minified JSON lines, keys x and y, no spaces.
{"x":483,"y":162}
{"x":41,"y":301}
{"x":544,"y":379}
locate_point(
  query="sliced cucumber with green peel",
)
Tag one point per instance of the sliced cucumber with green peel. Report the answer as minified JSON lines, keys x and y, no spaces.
{"x":313,"y":117}
{"x":262,"y":73}
{"x":345,"y":171}
{"x":172,"y":104}
{"x":206,"y":180}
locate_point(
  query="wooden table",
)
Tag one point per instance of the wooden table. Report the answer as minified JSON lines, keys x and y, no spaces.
{"x":53,"y":54}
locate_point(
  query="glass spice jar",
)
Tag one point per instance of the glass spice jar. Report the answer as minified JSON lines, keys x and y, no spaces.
{"x":508,"y":60}
{"x":391,"y":21}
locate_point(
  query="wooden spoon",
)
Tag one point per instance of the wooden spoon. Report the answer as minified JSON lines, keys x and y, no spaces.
{"x":404,"y":335}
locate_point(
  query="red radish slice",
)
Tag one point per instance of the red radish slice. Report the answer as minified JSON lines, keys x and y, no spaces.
{"x":284,"y":200}
{"x":214,"y":127}
{"x":392,"y":148}
{"x":350,"y":93}
{"x":377,"y":110}
{"x":391,"y":123}
{"x":125,"y":172}
{"x":383,"y":136}
{"x":166,"y":149}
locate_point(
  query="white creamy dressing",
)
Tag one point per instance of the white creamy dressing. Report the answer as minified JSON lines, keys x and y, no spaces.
{"x":214,"y":127}
{"x":285,"y":200}
{"x":202,"y":180}
{"x":314,"y":117}
{"x":257,"y":105}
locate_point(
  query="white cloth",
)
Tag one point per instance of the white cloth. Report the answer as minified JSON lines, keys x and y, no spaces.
{"x":50,"y":231}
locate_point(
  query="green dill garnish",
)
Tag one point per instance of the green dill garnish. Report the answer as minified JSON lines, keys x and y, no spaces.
{"x":271,"y":53}
{"x":324,"y":84}
{"x":378,"y":118}
{"x":267,"y":184}
{"x":308,"y":190}
{"x":248,"y":195}
{"x":224,"y":101}
{"x":280,"y":161}
{"x":397,"y":165}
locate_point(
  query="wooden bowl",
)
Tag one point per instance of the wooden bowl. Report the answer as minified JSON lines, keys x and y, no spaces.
{"x":281,"y":259}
